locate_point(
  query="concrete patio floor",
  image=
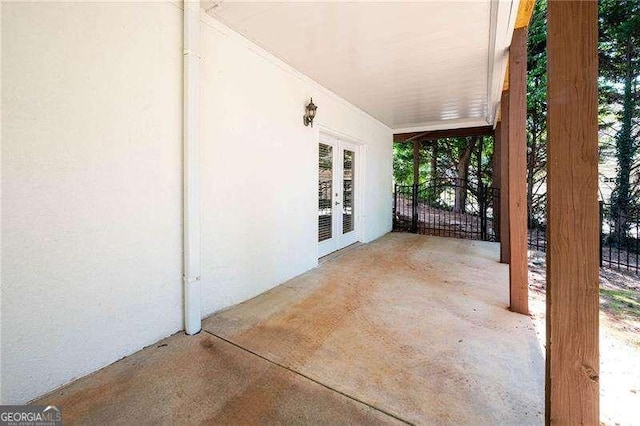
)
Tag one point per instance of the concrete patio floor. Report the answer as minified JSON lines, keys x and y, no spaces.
{"x":408,"y":329}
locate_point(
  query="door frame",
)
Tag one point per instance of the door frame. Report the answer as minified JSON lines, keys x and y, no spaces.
{"x":360,"y":173}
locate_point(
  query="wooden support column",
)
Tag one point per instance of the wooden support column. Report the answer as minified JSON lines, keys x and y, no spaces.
{"x":518,"y":273}
{"x":495,"y":180}
{"x":504,"y":178}
{"x":572,"y":383}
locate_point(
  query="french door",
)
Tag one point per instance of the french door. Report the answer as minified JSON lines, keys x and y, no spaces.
{"x":337,"y":194}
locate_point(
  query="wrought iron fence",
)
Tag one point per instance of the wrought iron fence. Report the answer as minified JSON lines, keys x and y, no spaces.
{"x":464,"y":209}
{"x":446,"y":207}
{"x":538,"y":237}
{"x":619,"y":238}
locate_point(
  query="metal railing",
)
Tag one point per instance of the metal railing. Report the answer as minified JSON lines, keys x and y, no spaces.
{"x":619,"y":238}
{"x":446,"y":207}
{"x":464,"y":209}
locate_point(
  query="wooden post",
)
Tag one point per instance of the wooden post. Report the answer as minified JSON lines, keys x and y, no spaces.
{"x":416,"y":181}
{"x":572,"y":384}
{"x":504,"y":178}
{"x":518,"y":273}
{"x":495,"y":180}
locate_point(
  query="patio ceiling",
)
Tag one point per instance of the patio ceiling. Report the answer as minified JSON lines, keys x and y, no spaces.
{"x":412,"y":65}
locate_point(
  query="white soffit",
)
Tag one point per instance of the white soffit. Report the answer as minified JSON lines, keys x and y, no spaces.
{"x":412,"y":65}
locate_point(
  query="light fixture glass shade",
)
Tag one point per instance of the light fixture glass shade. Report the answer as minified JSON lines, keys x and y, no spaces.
{"x":310,"y":113}
{"x":312,"y":109}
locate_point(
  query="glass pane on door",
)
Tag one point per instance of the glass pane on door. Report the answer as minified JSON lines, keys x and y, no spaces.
{"x":348,"y":182}
{"x":325,"y":190}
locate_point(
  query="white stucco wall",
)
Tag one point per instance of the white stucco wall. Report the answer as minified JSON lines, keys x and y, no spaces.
{"x":260,"y":168}
{"x":91,"y":181}
{"x":91,"y":187}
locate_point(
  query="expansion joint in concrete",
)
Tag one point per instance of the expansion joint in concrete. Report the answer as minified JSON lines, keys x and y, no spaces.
{"x":351,"y":397}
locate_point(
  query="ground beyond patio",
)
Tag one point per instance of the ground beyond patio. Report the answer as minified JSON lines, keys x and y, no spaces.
{"x":409,"y":328}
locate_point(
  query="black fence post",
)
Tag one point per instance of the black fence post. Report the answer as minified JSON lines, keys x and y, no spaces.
{"x":395,"y":205}
{"x":483,"y":211}
{"x":495,"y":209}
{"x":601,"y":236}
{"x":414,"y":209}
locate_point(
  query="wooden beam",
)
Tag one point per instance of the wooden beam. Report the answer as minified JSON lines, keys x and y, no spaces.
{"x":525,"y":10}
{"x":518,"y":271}
{"x":505,"y":85}
{"x":572,"y":380}
{"x":504,"y":178}
{"x":440,"y":134}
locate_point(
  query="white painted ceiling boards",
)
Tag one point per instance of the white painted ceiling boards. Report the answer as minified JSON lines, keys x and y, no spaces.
{"x":412,"y":65}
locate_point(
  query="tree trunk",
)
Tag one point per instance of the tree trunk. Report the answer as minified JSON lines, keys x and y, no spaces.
{"x":433,"y":191}
{"x":463,"y":172}
{"x":496,"y":179}
{"x":533,"y":160}
{"x":434,"y":161}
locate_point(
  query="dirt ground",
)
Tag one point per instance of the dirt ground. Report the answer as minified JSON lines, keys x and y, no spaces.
{"x":619,"y":338}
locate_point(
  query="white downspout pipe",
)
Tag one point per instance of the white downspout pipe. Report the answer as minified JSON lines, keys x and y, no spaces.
{"x":191,"y":172}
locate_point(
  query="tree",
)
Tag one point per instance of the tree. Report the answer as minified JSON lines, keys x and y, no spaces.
{"x":537,"y":115}
{"x":620,"y":71}
{"x":403,"y":163}
{"x":445,"y":163}
{"x":463,"y":163}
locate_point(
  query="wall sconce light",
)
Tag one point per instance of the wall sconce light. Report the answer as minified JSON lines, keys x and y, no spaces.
{"x":310,"y":113}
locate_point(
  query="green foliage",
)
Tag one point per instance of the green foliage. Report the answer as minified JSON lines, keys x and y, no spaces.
{"x":619,"y":56}
{"x":448,"y":154}
{"x":445,"y":164}
{"x":619,"y":118}
{"x":537,"y":114}
{"x":403,"y":163}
